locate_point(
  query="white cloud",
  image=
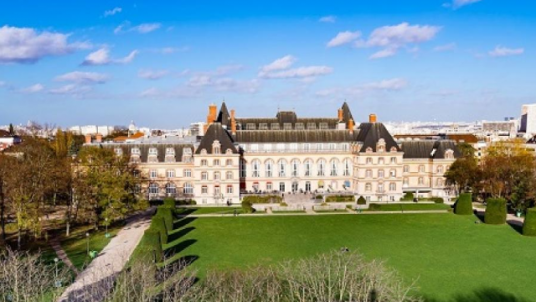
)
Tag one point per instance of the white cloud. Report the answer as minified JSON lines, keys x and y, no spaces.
{"x":143,"y":28}
{"x":220,"y":81}
{"x":71,"y":89}
{"x":33,"y":89}
{"x":328,"y":19}
{"x":344,"y":37}
{"x":152,"y":74}
{"x":113,"y":11}
{"x":102,"y":57}
{"x":392,"y":84}
{"x":501,"y":51}
{"x":455,"y":4}
{"x":392,"y":38}
{"x":26,"y":45}
{"x":362,"y":90}
{"x":300,"y":72}
{"x":83,"y":77}
{"x":279,"y":64}
{"x":446,"y":47}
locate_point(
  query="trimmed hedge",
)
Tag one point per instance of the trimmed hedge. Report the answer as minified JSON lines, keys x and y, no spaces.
{"x":434,"y":199}
{"x":253,"y":199}
{"x":408,"y":196}
{"x":529,"y":226}
{"x":247,"y":207}
{"x":340,"y":198}
{"x":374,"y":207}
{"x":169,"y":203}
{"x":167,"y":215}
{"x":464,"y":204}
{"x":159,"y":225}
{"x":150,"y":246}
{"x":361,"y":201}
{"x":495,"y":211}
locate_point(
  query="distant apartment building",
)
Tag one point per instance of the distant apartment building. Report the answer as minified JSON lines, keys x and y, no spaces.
{"x":528,"y":120}
{"x":288,"y":154}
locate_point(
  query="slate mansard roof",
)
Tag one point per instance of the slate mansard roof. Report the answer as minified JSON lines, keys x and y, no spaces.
{"x":429,"y":149}
{"x":161,"y":149}
{"x":371,"y":133}
{"x":216,"y":132}
{"x":295,"y":136}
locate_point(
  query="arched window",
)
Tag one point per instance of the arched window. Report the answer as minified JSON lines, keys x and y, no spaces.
{"x":153,"y":189}
{"x":171,"y":189}
{"x":334,"y":164}
{"x":295,"y":167}
{"x":392,"y":186}
{"x":256,"y":168}
{"x":188,"y":188}
{"x":322,"y":167}
{"x":347,"y":167}
{"x":449,"y":154}
{"x":269,"y":168}
{"x":282,"y":168}
{"x":216,"y":147}
{"x":368,"y":187}
{"x":308,"y":165}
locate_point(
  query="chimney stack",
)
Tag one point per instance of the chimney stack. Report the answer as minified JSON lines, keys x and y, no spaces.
{"x":372,"y":118}
{"x":98,"y":138}
{"x":88,"y":138}
{"x":233,"y":122}
{"x":212,"y":115}
{"x":351,"y":126}
{"x":340,"y":115}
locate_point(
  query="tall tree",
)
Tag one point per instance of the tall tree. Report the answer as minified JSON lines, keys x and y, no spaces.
{"x":464,"y":174}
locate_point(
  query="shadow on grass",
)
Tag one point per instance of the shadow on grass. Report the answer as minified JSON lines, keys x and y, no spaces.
{"x":178,"y":234}
{"x":516,"y":225}
{"x":487,"y":294}
{"x":178,"y":224}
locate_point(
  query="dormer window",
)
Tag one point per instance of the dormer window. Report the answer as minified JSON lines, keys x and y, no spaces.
{"x":135,"y":151}
{"x":449,"y":154}
{"x":153,"y":151}
{"x":380,"y":147}
{"x":287,"y":126}
{"x":170,"y":151}
{"x":323,"y":126}
{"x":369,"y":150}
{"x":187,"y":155}
{"x":393,"y":149}
{"x":216,"y":147}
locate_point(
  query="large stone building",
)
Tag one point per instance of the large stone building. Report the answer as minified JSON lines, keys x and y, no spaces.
{"x":290,"y":155}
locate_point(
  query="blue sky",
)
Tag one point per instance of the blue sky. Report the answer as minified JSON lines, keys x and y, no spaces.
{"x":109,"y":62}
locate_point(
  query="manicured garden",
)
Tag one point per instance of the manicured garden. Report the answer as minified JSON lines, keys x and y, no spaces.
{"x":209,"y":210}
{"x":450,"y":257}
{"x":408,"y":207}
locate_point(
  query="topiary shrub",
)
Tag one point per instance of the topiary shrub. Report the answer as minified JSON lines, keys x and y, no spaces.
{"x":167,"y":215}
{"x":495,"y":211}
{"x":464,"y":204}
{"x":340,"y":198}
{"x":150,"y":247}
{"x":159,"y":225}
{"x":247,"y":207}
{"x":375,"y":207}
{"x":283,"y":204}
{"x":361,"y":201}
{"x":253,"y":199}
{"x":169,"y":203}
{"x":408,"y":196}
{"x":438,"y":200}
{"x":529,"y":226}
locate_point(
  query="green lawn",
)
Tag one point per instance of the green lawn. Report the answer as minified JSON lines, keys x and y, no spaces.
{"x":409,"y":207}
{"x":447,"y":255}
{"x":76,"y":245}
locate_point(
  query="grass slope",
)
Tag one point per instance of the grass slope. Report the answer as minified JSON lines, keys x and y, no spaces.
{"x":448,"y":255}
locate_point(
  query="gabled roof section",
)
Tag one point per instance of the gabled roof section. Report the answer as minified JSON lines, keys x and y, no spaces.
{"x":346,"y":113}
{"x":224,"y":117}
{"x":216,"y":132}
{"x":287,"y":117}
{"x":429,"y":149}
{"x":371,"y":133}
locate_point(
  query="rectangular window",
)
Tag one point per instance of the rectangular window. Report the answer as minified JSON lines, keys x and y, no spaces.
{"x":153,"y":174}
{"x":229,"y":189}
{"x":170,"y":173}
{"x":187,"y":173}
{"x":269,"y":186}
{"x":204,"y":190}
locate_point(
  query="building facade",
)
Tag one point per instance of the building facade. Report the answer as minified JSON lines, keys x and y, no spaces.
{"x":292,"y":155}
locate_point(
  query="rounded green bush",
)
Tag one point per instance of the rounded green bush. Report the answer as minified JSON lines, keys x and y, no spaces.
{"x":529,"y":226}
{"x":495,"y":211}
{"x":247,"y":206}
{"x":464,"y":204}
{"x":361,"y":201}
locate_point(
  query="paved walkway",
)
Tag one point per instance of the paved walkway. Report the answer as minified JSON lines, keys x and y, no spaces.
{"x":94,"y":283}
{"x":317,"y":213}
{"x":62,"y":255}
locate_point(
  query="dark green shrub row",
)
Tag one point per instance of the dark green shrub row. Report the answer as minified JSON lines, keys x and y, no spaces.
{"x":529,"y":227}
{"x":253,"y":199}
{"x":169,"y":203}
{"x":495,"y":211}
{"x":375,"y":207}
{"x":434,"y":199}
{"x":340,"y":198}
{"x":167,"y":215}
{"x":150,"y":247}
{"x":319,"y":197}
{"x":464,"y":204}
{"x":361,"y":201}
{"x":247,"y":207}
{"x":408,"y":196}
{"x":159,"y":225}
{"x":186,"y":202}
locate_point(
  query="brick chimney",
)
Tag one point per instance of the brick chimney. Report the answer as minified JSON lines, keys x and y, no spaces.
{"x":233,"y":122}
{"x":88,"y":138}
{"x":351,"y":126}
{"x":98,"y":138}
{"x":372,"y":118}
{"x":212,"y":115}
{"x":340,"y":114}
